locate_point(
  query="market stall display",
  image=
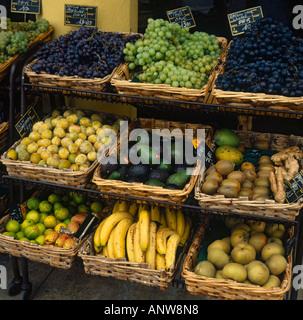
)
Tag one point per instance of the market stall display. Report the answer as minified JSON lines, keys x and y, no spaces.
{"x":170,"y":62}
{"x":62,"y":148}
{"x":170,"y":181}
{"x":46,"y":233}
{"x":260,"y":268}
{"x":138,"y":243}
{"x":263,"y":69}
{"x":244,"y":176}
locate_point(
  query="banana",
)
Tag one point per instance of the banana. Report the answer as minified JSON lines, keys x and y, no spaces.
{"x":119,"y":237}
{"x":130,"y":243}
{"x":110,"y":244}
{"x":116,"y":206}
{"x":139,"y":254}
{"x":160,"y":262}
{"x":170,"y":256}
{"x":162,"y":235}
{"x":142,"y":207}
{"x":104,"y":252}
{"x":180,"y":222}
{"x":188,"y":225}
{"x":171,"y":218}
{"x":110,"y":222}
{"x":151,"y":249}
{"x":133,"y":208}
{"x":123,"y":206}
{"x":144,"y":222}
{"x":163,"y":218}
{"x":97,"y":235}
{"x":155,"y":214}
{"x":98,"y":249}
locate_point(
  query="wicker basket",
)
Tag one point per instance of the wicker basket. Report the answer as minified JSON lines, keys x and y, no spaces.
{"x":253,"y":100}
{"x":73,"y":82}
{"x":269,"y":208}
{"x":3,"y":135}
{"x":122,"y":269}
{"x":54,"y":256}
{"x":123,"y":84}
{"x":5,"y":67}
{"x":228,"y":289}
{"x":35,"y":172}
{"x":151,"y":192}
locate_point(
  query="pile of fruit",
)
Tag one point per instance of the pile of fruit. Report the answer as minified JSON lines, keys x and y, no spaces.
{"x":163,"y":166}
{"x":253,"y":253}
{"x":232,"y":177}
{"x":172,"y":55}
{"x":16,"y":37}
{"x":86,"y":52}
{"x":70,"y":140}
{"x":46,"y":216}
{"x":141,"y":233}
{"x":266,"y":59}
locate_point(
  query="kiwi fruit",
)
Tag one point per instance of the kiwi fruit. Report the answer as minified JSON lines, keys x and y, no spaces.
{"x":266,"y":166}
{"x":214,"y":176}
{"x":228,"y":191}
{"x":247,"y":184}
{"x":231,"y":183}
{"x":261,"y":144}
{"x":265,"y":160}
{"x":247,"y":166}
{"x":210,"y":187}
{"x":263,"y":174}
{"x":262,"y":182}
{"x":210,"y":170}
{"x":259,"y":197}
{"x":250,"y":175}
{"x":261,"y":190}
{"x":224,"y":167}
{"x":245,"y":192}
{"x":237,"y":175}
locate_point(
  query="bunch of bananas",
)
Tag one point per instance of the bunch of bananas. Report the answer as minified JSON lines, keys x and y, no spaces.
{"x":140,"y":233}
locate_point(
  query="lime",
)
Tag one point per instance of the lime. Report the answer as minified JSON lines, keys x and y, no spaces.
{"x":77,"y":197}
{"x":33,"y":203}
{"x":41,"y":240}
{"x":47,"y":231}
{"x":59,"y":225}
{"x":12,"y":226}
{"x":50,"y":221}
{"x":33,"y":215}
{"x":34,"y":241}
{"x":65,"y":198}
{"x":9,"y":233}
{"x":45,"y":206}
{"x":62,"y":213}
{"x":19,"y":235}
{"x":57,"y":205}
{"x":54,"y":198}
{"x":43,"y":215}
{"x":32,"y":232}
{"x":24,"y":239}
{"x":26,"y":223}
{"x":83,"y":208}
{"x":96,"y":206}
{"x":41,"y":227}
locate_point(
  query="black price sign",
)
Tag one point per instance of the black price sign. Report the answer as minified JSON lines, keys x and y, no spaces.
{"x":25,"y":124}
{"x":209,"y":157}
{"x":17,"y":212}
{"x":26,"y":6}
{"x":80,"y":16}
{"x":183,"y":16}
{"x":294,"y":188}
{"x":241,"y":21}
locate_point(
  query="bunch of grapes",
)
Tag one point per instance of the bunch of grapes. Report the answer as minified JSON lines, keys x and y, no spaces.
{"x":266,"y":59}
{"x":172,"y":55}
{"x":86,"y":52}
{"x":16,"y":37}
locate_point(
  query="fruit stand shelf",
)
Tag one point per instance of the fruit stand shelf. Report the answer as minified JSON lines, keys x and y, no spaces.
{"x":189,"y":205}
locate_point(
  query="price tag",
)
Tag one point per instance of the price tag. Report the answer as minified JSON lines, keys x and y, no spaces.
{"x":183,"y":16}
{"x":241,"y":21}
{"x":209,"y":157}
{"x":18,"y":213}
{"x":25,"y":124}
{"x":26,"y":6}
{"x":80,"y":16}
{"x":294,"y":188}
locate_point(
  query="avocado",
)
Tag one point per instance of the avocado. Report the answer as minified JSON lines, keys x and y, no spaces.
{"x":108,"y":167}
{"x":154,"y":182}
{"x":115,"y":175}
{"x":179,"y":179}
{"x":172,"y":187}
{"x":140,"y":172}
{"x":160,"y":175}
{"x":179,"y":167}
{"x":148,"y":155}
{"x":123,"y":170}
{"x":164,"y":166}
